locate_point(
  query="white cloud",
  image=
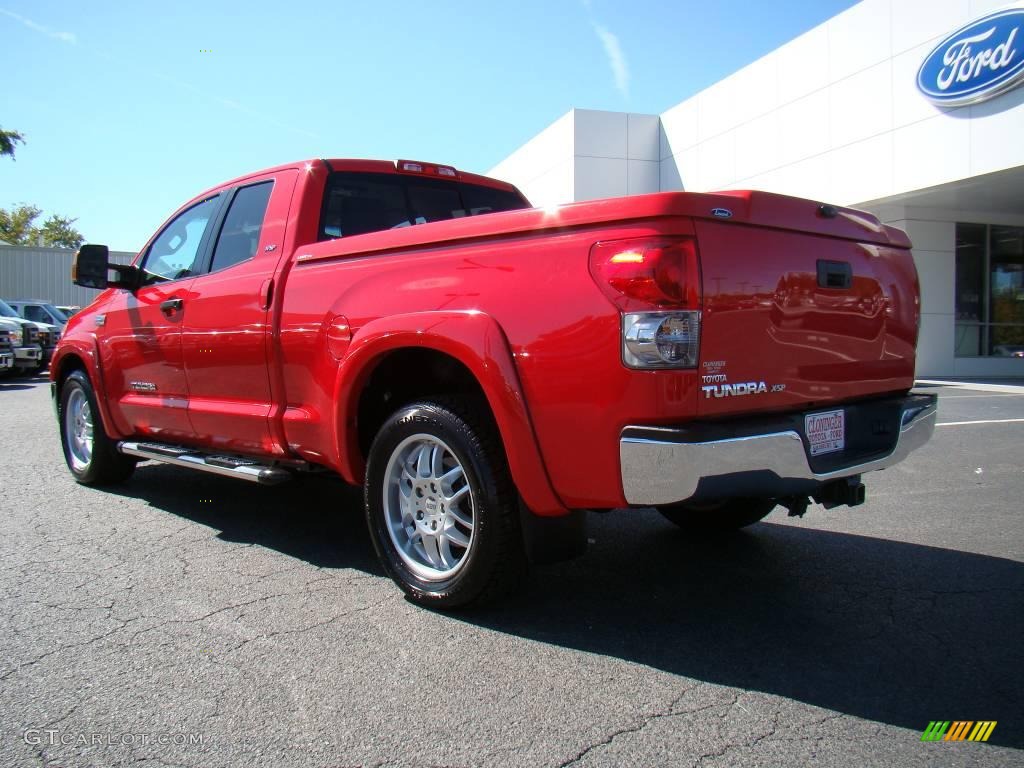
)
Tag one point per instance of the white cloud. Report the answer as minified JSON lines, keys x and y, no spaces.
{"x":64,"y":37}
{"x":616,"y":58}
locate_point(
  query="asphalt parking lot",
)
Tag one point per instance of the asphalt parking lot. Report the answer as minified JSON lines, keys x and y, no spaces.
{"x":191,"y":620}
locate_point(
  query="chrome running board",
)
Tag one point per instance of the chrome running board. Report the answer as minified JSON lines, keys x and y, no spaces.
{"x":243,"y":468}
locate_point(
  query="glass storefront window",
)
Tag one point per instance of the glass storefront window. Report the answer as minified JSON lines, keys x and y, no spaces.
{"x":1006,"y":288}
{"x":989,"y":291}
{"x":970,"y":288}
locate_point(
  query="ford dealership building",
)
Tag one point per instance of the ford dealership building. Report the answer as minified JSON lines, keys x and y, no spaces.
{"x":911,"y":109}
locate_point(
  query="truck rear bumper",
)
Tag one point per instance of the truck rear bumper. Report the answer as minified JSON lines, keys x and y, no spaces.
{"x":769,"y":456}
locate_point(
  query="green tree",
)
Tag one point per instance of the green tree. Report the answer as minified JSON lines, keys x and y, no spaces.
{"x":8,"y":141}
{"x":16,"y":224}
{"x":17,"y":227}
{"x":58,"y":232}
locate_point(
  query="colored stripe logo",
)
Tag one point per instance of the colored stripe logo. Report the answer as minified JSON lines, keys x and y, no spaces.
{"x":959,"y":730}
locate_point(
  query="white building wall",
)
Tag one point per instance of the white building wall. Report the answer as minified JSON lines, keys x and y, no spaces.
{"x":615,"y":154}
{"x":587,"y":154}
{"x":836,"y":115}
{"x":543,"y":167}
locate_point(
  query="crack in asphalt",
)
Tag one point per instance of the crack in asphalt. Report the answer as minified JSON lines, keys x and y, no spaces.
{"x":315,"y":625}
{"x":772,"y":731}
{"x":646,"y":720}
{"x":67,"y":647}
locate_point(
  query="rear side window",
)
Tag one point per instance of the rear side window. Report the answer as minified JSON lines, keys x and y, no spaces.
{"x":240,"y":235}
{"x":356,"y":203}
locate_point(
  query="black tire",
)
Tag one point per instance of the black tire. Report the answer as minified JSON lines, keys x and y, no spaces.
{"x":104,"y":464}
{"x":493,"y":561}
{"x":718,"y":517}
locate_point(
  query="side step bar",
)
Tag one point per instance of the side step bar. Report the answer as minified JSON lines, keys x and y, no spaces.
{"x":229,"y":466}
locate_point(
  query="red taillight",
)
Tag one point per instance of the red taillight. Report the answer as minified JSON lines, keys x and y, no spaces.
{"x":645,"y":273}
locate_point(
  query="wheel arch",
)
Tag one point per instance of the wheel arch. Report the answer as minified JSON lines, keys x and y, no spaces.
{"x":80,"y":355}
{"x":466,"y":349}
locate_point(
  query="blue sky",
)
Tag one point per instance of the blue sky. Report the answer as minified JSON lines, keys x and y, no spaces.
{"x":127,"y":115}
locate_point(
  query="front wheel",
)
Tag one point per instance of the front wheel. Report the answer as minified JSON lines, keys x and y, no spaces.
{"x":718,"y":516}
{"x":441,"y":507}
{"x":91,"y":456}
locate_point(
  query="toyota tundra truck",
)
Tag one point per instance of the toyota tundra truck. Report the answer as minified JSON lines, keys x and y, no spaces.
{"x":488,"y":371}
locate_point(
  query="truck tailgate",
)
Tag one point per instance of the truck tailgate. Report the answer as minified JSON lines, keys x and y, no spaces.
{"x":803,"y":309}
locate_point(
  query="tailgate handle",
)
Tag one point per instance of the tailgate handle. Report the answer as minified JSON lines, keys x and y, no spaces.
{"x":834,"y":274}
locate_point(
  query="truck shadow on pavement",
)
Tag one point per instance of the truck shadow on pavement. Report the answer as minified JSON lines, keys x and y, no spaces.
{"x":884,"y":630}
{"x":317,"y":519}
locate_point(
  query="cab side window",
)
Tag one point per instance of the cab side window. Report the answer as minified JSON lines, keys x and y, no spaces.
{"x":175,"y":253}
{"x":240,"y":235}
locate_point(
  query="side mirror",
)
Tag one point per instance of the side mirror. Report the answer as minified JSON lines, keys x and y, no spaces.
{"x":91,"y":266}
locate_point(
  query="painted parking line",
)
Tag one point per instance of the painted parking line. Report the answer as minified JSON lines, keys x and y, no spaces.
{"x":971,"y":385}
{"x":984,"y":421}
{"x":979,"y":396}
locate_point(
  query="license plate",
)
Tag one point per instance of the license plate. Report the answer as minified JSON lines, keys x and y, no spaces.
{"x":826,"y":432}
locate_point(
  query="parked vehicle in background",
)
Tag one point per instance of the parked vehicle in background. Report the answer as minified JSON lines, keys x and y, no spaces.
{"x":41,"y":335}
{"x":6,"y":350}
{"x":69,"y":310}
{"x":488,"y":371}
{"x":39,"y":311}
{"x":22,"y":336}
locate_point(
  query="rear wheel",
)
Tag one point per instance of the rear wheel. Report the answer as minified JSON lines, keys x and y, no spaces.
{"x":91,"y":456}
{"x":441,"y":507}
{"x":718,"y":516}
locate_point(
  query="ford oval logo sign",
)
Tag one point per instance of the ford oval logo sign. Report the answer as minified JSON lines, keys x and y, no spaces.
{"x":978,"y":61}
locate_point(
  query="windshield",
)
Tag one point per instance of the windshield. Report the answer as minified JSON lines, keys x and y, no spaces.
{"x":56,"y":314}
{"x":357,"y":203}
{"x":6,"y":311}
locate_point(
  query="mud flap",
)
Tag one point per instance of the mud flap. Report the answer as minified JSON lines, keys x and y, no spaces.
{"x":553,"y":539}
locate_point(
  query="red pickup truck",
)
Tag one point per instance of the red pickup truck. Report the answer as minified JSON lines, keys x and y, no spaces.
{"x":488,"y":371}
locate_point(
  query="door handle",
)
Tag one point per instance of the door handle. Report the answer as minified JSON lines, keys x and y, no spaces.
{"x":171,"y":305}
{"x":267,"y":293}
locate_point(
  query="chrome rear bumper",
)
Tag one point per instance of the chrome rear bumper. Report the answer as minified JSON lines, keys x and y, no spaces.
{"x":662,"y":465}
